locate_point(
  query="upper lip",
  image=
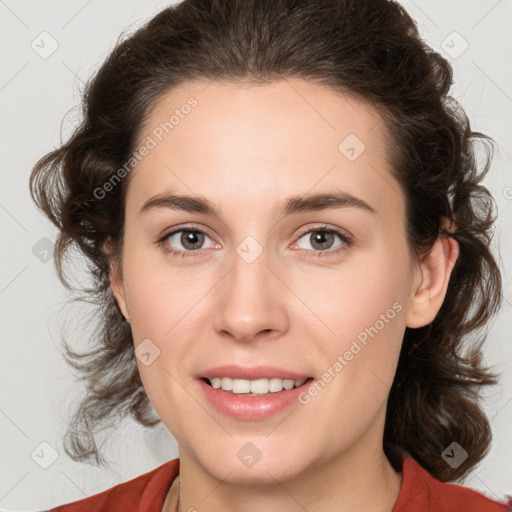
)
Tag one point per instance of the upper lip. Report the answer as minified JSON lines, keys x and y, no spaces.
{"x":252,"y":373}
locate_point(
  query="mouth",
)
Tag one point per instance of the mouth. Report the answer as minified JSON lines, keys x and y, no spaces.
{"x":252,"y":393}
{"x":257,"y":387}
{"x":252,"y":400}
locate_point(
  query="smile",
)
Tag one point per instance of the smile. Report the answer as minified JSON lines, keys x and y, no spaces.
{"x":254,"y":387}
{"x":252,"y":399}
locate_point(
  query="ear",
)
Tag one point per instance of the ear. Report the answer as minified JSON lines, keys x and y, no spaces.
{"x":116,"y":278}
{"x":434,"y":270}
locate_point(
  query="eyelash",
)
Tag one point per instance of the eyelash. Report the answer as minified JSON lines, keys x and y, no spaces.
{"x":347,"y":242}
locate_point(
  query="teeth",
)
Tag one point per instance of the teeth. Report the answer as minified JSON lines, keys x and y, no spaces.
{"x":254,"y":387}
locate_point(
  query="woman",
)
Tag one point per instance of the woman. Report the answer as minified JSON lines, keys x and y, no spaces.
{"x":282,"y":211}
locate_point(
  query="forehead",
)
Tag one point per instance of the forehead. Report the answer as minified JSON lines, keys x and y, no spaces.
{"x":287,"y":112}
{"x":284,"y":137}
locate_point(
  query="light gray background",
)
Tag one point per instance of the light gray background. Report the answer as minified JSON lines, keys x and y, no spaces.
{"x":36,"y":94}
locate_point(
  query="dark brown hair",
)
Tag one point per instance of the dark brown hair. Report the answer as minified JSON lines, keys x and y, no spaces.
{"x":370,"y":48}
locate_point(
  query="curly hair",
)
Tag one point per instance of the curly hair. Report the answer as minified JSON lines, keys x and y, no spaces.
{"x":369,"y":48}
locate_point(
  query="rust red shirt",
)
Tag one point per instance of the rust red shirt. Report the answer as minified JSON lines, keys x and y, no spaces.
{"x":420,"y":492}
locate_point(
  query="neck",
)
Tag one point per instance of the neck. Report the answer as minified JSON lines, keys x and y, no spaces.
{"x":361,"y":478}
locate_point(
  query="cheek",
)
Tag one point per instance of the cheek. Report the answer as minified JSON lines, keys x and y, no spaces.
{"x":159,"y":295}
{"x":359,"y":360}
{"x":358,"y":322}
{"x":353,"y":297}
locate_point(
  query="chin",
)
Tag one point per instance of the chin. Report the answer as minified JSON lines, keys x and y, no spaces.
{"x":239,"y":461}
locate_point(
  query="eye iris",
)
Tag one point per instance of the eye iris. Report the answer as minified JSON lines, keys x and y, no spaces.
{"x":190,"y":237}
{"x":319,"y":237}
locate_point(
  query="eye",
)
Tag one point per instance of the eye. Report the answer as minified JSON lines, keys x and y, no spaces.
{"x":191,"y":241}
{"x":321,"y":240}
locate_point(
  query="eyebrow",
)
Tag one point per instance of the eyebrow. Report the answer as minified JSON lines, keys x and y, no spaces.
{"x":291,"y":205}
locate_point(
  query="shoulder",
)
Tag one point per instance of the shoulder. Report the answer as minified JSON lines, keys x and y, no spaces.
{"x":145,"y":492}
{"x":421,"y":492}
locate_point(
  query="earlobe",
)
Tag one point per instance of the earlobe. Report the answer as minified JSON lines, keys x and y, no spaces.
{"x":435,"y":270}
{"x":116,"y":279}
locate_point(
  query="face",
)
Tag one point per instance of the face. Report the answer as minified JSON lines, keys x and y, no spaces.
{"x":274,"y":282}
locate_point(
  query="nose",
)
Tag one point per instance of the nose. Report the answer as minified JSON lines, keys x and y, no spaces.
{"x":252,"y":301}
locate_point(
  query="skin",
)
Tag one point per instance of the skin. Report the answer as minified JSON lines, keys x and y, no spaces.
{"x":247,"y":149}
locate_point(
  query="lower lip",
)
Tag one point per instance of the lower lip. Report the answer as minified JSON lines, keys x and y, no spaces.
{"x":252,"y":407}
